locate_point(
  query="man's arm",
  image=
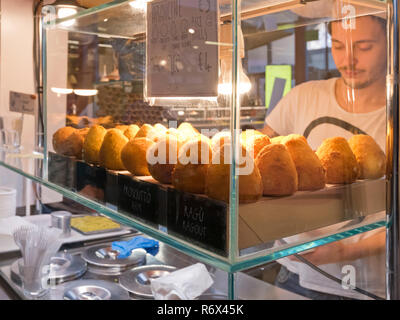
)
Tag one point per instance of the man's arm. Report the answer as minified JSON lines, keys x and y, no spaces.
{"x":269,"y":131}
{"x":341,"y":251}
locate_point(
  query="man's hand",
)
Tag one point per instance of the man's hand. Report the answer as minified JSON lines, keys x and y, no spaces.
{"x":329,"y":253}
{"x":340,"y":251}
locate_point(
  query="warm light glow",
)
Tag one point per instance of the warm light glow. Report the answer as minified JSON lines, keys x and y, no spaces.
{"x":185,"y":98}
{"x":85,"y":92}
{"x":163,"y":63}
{"x":61,"y":90}
{"x":181,"y":113}
{"x":138,"y":4}
{"x":226,"y":88}
{"x":191,"y":31}
{"x":66,"y":12}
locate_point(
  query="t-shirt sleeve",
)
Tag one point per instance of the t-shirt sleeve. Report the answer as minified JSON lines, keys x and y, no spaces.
{"x":281,"y":117}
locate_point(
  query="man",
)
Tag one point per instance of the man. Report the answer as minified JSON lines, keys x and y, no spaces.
{"x":352,"y":104}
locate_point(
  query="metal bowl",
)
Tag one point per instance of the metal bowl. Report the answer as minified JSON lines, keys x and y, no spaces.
{"x":93,"y":290}
{"x":137,"y":281}
{"x":63,"y":267}
{"x":105,"y":256}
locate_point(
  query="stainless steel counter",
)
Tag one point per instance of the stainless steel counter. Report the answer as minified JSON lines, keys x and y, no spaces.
{"x":247,"y":287}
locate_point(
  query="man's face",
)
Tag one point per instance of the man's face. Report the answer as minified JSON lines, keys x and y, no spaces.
{"x":360,"y":53}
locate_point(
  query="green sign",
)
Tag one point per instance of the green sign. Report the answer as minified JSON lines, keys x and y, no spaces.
{"x":278,"y":82}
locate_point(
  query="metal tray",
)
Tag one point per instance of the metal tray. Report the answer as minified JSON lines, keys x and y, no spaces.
{"x":96,"y":231}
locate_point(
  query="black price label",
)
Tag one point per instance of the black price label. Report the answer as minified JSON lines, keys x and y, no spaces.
{"x":61,"y":170}
{"x":198,"y":218}
{"x":141,"y":199}
{"x":91,"y":180}
{"x":111,"y":188}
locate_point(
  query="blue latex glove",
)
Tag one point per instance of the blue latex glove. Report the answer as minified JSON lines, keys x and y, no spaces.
{"x":125,"y":247}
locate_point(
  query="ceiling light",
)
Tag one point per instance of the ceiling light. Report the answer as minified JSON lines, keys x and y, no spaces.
{"x":86,"y":92}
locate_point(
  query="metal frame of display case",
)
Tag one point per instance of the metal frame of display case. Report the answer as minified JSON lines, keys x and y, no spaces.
{"x":234,"y":262}
{"x":393,"y":218}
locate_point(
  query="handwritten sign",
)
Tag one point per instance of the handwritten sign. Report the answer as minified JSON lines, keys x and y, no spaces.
{"x":62,"y":170}
{"x":199,"y":219}
{"x":141,"y":199}
{"x":182,"y":50}
{"x":22,"y":102}
{"x":90,"y":180}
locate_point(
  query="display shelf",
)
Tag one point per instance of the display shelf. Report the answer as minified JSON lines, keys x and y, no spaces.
{"x":125,"y":18}
{"x":231,"y":236}
{"x":24,"y":163}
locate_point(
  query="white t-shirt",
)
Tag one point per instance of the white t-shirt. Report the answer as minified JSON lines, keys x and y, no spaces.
{"x":311,"y":109}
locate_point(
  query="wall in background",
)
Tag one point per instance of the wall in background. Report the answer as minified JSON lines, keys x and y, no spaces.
{"x":17,"y":74}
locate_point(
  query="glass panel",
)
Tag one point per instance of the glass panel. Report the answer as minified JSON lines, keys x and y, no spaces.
{"x":95,"y":74}
{"x":319,"y":71}
{"x":125,"y":101}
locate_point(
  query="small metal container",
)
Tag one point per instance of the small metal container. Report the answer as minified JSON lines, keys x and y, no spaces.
{"x":102,"y":259}
{"x":91,"y":290}
{"x":62,"y":220}
{"x":63,"y":267}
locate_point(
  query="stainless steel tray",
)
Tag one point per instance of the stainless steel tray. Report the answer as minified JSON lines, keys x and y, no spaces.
{"x":90,"y":233}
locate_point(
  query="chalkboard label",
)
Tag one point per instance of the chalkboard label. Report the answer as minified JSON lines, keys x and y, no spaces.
{"x":91,"y":180}
{"x":61,"y":170}
{"x":141,"y":199}
{"x":198,"y":219}
{"x":182,"y":50}
{"x":111,"y":189}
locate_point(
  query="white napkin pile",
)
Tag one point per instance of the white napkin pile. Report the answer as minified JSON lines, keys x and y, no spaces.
{"x":184,"y":284}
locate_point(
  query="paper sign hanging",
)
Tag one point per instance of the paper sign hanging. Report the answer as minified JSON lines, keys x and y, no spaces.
{"x":182,"y":49}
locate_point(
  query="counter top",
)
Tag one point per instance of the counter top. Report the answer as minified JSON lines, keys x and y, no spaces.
{"x":247,"y":287}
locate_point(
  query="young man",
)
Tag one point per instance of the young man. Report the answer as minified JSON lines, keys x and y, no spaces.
{"x":352,"y":104}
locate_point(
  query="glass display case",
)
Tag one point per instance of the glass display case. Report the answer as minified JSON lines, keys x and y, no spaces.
{"x":208,"y":124}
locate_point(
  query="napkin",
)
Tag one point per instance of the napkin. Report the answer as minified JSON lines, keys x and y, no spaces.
{"x":125,"y":247}
{"x":184,"y":284}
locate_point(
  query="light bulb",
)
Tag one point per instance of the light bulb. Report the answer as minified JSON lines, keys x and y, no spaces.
{"x":85,"y":92}
{"x":225,"y":79}
{"x":138,"y":4}
{"x":61,"y":90}
{"x":66,"y":12}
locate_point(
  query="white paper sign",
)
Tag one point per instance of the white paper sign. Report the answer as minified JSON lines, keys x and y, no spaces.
{"x":182,"y":50}
{"x":23,"y":102}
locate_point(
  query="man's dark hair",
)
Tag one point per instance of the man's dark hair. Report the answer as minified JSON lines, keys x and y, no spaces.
{"x":381,"y":21}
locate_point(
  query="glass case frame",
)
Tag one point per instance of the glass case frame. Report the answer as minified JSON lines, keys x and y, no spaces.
{"x":234,"y":260}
